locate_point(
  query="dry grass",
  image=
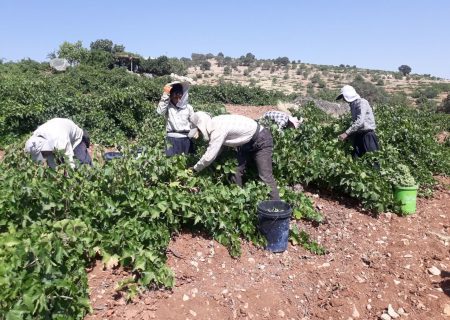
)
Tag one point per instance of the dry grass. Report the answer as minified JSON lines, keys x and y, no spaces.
{"x":288,"y":81}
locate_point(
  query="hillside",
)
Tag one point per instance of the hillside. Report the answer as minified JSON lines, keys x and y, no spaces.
{"x":307,"y":79}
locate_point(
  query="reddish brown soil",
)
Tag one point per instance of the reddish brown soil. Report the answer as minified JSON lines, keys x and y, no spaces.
{"x":373,"y":262}
{"x":254,"y":112}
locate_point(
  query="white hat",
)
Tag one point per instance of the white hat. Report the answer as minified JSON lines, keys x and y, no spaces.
{"x":201,"y":120}
{"x":35,"y":145}
{"x":348,"y":93}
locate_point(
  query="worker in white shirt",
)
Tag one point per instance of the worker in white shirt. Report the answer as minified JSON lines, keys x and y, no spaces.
{"x":175,"y":108}
{"x":59,"y":134}
{"x":251,"y":140}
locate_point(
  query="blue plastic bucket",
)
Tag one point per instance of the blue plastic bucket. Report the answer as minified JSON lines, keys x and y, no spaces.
{"x":274,"y":217}
{"x":108,"y":156}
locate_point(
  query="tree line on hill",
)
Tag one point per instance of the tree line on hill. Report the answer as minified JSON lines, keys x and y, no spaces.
{"x":104,"y":53}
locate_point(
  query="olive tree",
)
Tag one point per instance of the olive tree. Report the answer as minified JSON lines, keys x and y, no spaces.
{"x":404,"y":69}
{"x":73,"y":52}
{"x":102,"y":44}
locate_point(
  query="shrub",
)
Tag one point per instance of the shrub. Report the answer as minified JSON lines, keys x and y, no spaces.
{"x":205,"y":65}
{"x":445,"y":106}
{"x":283,"y":61}
{"x":369,"y":91}
{"x":266,"y":65}
{"x":398,"y":76}
{"x":321,"y":84}
{"x":227,"y":70}
{"x":315,"y":78}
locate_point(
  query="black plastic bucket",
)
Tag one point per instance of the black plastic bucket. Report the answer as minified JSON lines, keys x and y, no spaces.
{"x":274,"y":217}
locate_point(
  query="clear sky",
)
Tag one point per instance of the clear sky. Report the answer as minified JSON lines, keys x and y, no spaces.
{"x":377,"y":34}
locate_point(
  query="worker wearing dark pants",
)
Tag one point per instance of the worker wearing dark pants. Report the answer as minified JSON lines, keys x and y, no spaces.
{"x":259,"y":148}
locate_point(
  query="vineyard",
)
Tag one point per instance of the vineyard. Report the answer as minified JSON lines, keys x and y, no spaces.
{"x":125,"y":212}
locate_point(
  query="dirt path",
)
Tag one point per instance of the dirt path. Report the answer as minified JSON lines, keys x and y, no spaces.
{"x":372,"y":263}
{"x":254,"y":112}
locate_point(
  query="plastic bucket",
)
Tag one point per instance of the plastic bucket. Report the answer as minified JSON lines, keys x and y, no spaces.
{"x":108,"y":156}
{"x":407,"y":197}
{"x":273,"y":218}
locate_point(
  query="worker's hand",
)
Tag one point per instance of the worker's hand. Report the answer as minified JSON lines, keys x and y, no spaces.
{"x":167,"y":88}
{"x":190,"y":171}
{"x":343,"y":136}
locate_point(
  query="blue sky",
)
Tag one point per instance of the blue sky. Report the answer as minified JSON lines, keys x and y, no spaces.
{"x":381,"y":34}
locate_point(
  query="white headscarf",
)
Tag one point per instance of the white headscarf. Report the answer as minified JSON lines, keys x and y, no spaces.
{"x":185,"y":82}
{"x":349,"y":93}
{"x":183,"y":102}
{"x":202,"y":121}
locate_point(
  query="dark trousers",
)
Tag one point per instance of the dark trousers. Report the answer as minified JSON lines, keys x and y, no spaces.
{"x":176,"y":146}
{"x":81,"y":151}
{"x":364,"y":142}
{"x":260,"y":150}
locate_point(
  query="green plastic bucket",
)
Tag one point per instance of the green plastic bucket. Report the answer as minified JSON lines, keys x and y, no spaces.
{"x":407,"y":197}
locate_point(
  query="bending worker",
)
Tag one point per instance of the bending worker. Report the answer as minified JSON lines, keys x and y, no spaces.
{"x":283,"y":119}
{"x":59,"y":134}
{"x":252,"y":141}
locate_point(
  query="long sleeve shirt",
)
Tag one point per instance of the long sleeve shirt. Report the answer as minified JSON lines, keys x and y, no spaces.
{"x":280,"y":118}
{"x":177,"y":119}
{"x":228,"y":130}
{"x":63,"y":134}
{"x":362,"y":117}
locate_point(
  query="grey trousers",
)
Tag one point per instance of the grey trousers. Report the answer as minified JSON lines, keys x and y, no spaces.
{"x":260,"y":150}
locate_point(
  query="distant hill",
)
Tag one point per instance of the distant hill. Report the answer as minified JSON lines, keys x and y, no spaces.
{"x":322,"y":81}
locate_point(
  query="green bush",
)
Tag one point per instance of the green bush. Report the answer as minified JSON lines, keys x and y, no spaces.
{"x":227,"y":70}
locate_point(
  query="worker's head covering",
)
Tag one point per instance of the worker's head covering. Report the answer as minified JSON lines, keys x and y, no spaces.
{"x":177,"y":88}
{"x":185,"y":82}
{"x":183,"y":88}
{"x":296,"y":122}
{"x":35,"y":145}
{"x":200,"y":120}
{"x":348,"y":93}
